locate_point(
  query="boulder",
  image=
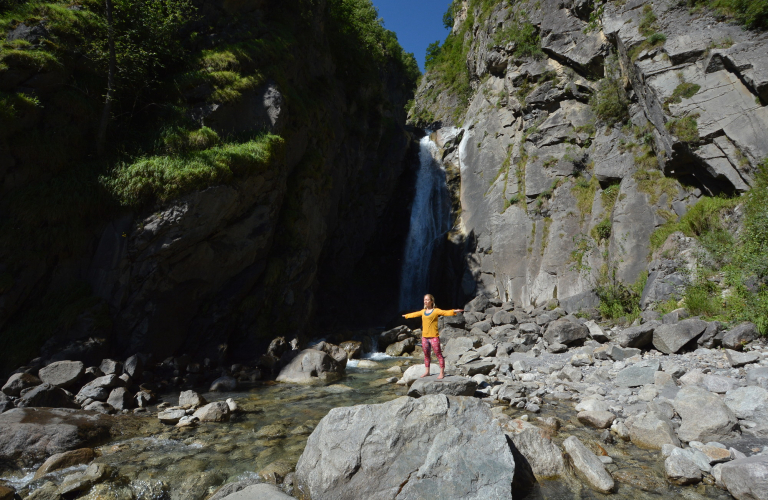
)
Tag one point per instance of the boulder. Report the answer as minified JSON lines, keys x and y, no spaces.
{"x":191,"y":399}
{"x":503,"y":318}
{"x":379,"y":451}
{"x":262,"y":491}
{"x":596,"y":333}
{"x":111,"y":367}
{"x":19,"y":381}
{"x":30,"y":435}
{"x":353,"y":348}
{"x":223,"y":384}
{"x":63,"y":374}
{"x":92,"y":393}
{"x":638,"y":336}
{"x":742,"y":334}
{"x":750,"y":403}
{"x":757,"y":375}
{"x":65,"y":459}
{"x":614,"y":352}
{"x":335,"y":352}
{"x":709,"y":338}
{"x":670,"y":338}
{"x":587,"y":466}
{"x":718,"y":384}
{"x":134,"y":366}
{"x":95,"y":473}
{"x":479,"y":366}
{"x":680,"y":470}
{"x":651,"y":431}
{"x":5,"y":403}
{"x":171,"y":416}
{"x":213,"y":412}
{"x":737,"y":359}
{"x":478,"y":304}
{"x":544,"y":456}
{"x":389,"y":336}
{"x":46,"y":396}
{"x":120,"y":399}
{"x":99,"y":407}
{"x":565,"y":332}
{"x":312,"y":366}
{"x":640,"y":373}
{"x":705,"y":416}
{"x":597,"y":419}
{"x":746,"y":478}
{"x":402,"y":347}
{"x":450,"y":386}
{"x":414,"y":372}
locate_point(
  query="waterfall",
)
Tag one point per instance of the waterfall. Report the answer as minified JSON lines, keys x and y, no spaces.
{"x":430,"y":221}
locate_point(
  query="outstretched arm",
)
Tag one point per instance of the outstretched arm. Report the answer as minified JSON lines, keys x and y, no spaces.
{"x":450,"y":312}
{"x":412,"y":315}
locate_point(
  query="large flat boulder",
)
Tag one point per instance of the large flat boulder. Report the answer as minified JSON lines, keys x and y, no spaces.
{"x":29,"y":435}
{"x":705,"y":416}
{"x":746,"y":478}
{"x":669,"y":339}
{"x":46,"y":396}
{"x":638,"y":374}
{"x":310,"y":367}
{"x":450,"y":386}
{"x":638,"y":336}
{"x":432,"y":447}
{"x":62,"y":373}
{"x":565,"y":332}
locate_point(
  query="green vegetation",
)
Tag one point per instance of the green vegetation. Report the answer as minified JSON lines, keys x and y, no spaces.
{"x":751,"y":13}
{"x":684,"y":90}
{"x":523,"y":34}
{"x":686,"y":129}
{"x":545,"y":234}
{"x":654,"y":183}
{"x":648,"y":20}
{"x":702,"y":220}
{"x":618,"y":300}
{"x":584,"y":191}
{"x":602,"y":231}
{"x":610,"y":102}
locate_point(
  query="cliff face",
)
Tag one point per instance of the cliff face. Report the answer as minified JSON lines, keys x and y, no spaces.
{"x":585,"y":131}
{"x":227,"y":265}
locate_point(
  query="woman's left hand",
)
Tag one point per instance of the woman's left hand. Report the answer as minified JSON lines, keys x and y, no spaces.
{"x":458,"y":310}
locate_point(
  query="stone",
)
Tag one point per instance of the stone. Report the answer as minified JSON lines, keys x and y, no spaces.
{"x":233,"y":405}
{"x":680,"y":470}
{"x":614,"y":352}
{"x":544,"y":456}
{"x":390,"y":336}
{"x":651,"y":431}
{"x":65,"y":459}
{"x":596,"y":333}
{"x":89,"y":392}
{"x":742,"y":334}
{"x":563,"y":331}
{"x":230,"y":488}
{"x":479,"y":366}
{"x":530,"y":328}
{"x":46,"y":396}
{"x":63,"y":374}
{"x":414,"y":372}
{"x":214,"y":412}
{"x":596,"y":419}
{"x":224,"y":384}
{"x":312,"y":366}
{"x":7,"y":493}
{"x":705,"y":416}
{"x":120,"y":399}
{"x":171,"y":416}
{"x":263,"y":491}
{"x":696,"y":456}
{"x":95,"y":473}
{"x":19,"y":381}
{"x":450,"y":386}
{"x":709,"y":338}
{"x":714,"y":454}
{"x":478,"y":304}
{"x":106,"y":381}
{"x":638,"y":374}
{"x":402,"y":347}
{"x":503,"y":318}
{"x":134,"y":366}
{"x":750,"y":403}
{"x":99,"y":407}
{"x":48,"y":491}
{"x":581,"y":359}
{"x":378,"y":451}
{"x":737,"y":359}
{"x":755,"y":375}
{"x":191,"y":399}
{"x":637,"y":336}
{"x":111,"y":367}
{"x":337,"y":353}
{"x":718,"y":384}
{"x":670,"y":338}
{"x":486,"y":351}
{"x":30,"y":435}
{"x":587,"y":466}
{"x":746,"y":478}
{"x":353,"y":348}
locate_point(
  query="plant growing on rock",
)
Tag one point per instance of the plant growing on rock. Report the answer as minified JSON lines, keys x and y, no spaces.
{"x":610,"y":102}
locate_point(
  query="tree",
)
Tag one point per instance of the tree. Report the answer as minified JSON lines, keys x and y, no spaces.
{"x":448,"y":17}
{"x":433,"y":52}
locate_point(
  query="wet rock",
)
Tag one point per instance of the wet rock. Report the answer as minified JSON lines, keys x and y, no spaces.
{"x":99,"y":407}
{"x":737,"y":359}
{"x":258,"y":491}
{"x":637,"y":336}
{"x":651,"y":431}
{"x":450,"y":386}
{"x":681,"y":470}
{"x":746,"y":478}
{"x":742,"y":334}
{"x":214,"y":412}
{"x":335,"y":352}
{"x":276,"y":471}
{"x":195,"y":486}
{"x":397,"y":462}
{"x":563,"y":331}
{"x":191,"y":399}
{"x":95,"y":473}
{"x":312,"y":366}
{"x":640,"y":478}
{"x":46,"y":396}
{"x":669,"y":339}
{"x":230,"y":488}
{"x":63,"y":374}
{"x":111,"y":367}
{"x":6,"y":493}
{"x":171,"y":416}
{"x":705,"y":416}
{"x":120,"y":399}
{"x":48,"y":491}
{"x":223,"y":384}
{"x":638,"y":374}
{"x":188,"y":421}
{"x":402,"y":347}
{"x":596,"y":419}
{"x":232,"y":405}
{"x":587,"y":466}
{"x":353,"y":348}
{"x":19,"y":381}
{"x":544,"y":457}
{"x":65,"y":459}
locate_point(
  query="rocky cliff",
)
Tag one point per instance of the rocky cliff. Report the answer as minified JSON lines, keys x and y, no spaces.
{"x":581,"y":128}
{"x":194,"y":232}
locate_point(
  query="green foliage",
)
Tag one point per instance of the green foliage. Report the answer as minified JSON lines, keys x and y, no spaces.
{"x":584,"y":191}
{"x":654,"y":183}
{"x":648,"y":20}
{"x":703,"y":221}
{"x":684,"y":90}
{"x":610,"y":102}
{"x":752,"y":13}
{"x":161,"y":178}
{"x":602,"y":231}
{"x":433,"y":52}
{"x":656,"y":39}
{"x":686,"y":129}
{"x":753,"y":250}
{"x":545,"y":234}
{"x":523,"y":34}
{"x":702,"y":298}
{"x":617,"y":299}
{"x":609,"y":195}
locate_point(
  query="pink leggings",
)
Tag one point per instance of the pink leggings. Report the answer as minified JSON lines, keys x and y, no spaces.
{"x":434,"y":343}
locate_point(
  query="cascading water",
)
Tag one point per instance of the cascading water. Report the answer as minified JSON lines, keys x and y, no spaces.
{"x":430,"y":221}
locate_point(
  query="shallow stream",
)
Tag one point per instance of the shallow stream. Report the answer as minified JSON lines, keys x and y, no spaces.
{"x":270,"y":431}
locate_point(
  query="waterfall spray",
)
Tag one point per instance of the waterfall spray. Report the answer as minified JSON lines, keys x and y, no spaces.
{"x":430,"y":221}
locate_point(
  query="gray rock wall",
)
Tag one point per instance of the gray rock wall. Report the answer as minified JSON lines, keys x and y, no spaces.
{"x":540,"y":171}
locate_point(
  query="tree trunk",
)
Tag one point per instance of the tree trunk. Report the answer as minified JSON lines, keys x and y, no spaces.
{"x":102,"y":136}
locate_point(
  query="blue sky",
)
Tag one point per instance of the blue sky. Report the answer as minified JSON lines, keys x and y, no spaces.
{"x":416,"y":22}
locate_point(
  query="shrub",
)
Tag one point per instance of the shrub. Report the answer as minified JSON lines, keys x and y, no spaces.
{"x":648,"y":21}
{"x":618,"y":299}
{"x":684,"y":90}
{"x":602,"y":231}
{"x":610,"y":102}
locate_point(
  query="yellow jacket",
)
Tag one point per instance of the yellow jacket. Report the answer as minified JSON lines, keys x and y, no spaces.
{"x":429,"y":321}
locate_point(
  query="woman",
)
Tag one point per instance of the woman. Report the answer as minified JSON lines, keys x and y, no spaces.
{"x":430,"y":337}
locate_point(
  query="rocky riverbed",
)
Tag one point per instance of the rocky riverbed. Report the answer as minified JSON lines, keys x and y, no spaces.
{"x":548,"y":404}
